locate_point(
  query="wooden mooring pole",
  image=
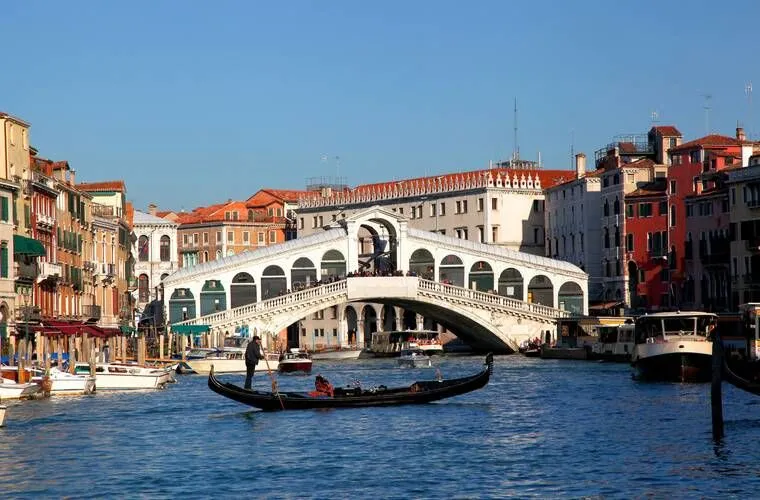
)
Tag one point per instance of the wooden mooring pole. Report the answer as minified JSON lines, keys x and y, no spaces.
{"x":716,"y":396}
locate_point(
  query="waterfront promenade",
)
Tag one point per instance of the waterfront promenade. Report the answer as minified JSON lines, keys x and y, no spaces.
{"x":541,"y":428}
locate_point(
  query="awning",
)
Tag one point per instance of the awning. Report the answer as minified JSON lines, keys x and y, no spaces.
{"x":27,"y":246}
{"x":126,"y":330}
{"x":190,"y":329}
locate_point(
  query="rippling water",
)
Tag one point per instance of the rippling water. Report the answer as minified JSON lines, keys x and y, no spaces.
{"x":540,"y":428}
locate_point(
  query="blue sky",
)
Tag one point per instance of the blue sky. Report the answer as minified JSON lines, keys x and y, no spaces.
{"x":195,"y":102}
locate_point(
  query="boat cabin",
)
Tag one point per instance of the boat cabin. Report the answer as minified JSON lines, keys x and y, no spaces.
{"x":661,"y":327}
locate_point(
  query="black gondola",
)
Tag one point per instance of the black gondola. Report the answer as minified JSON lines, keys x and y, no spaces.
{"x":742,"y":376}
{"x":417,"y":393}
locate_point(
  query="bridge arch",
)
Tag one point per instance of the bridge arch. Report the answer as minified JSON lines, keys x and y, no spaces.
{"x":303,"y":273}
{"x":273,"y":282}
{"x":481,"y":276}
{"x":570,"y":297}
{"x":511,"y":283}
{"x":213,"y":297}
{"x":333,"y":265}
{"x":181,"y":305}
{"x":452,"y":270}
{"x":389,"y":318}
{"x":422,"y":263}
{"x":352,"y":324}
{"x":541,"y":290}
{"x":242,"y":290}
{"x":369,"y":322}
{"x":377,"y":239}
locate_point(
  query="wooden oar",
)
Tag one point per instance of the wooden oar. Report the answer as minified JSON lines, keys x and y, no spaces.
{"x":274,"y":382}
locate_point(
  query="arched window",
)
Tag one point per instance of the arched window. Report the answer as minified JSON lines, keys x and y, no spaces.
{"x":143,"y":249}
{"x":606,"y":238}
{"x":616,"y":206}
{"x":617,"y":236}
{"x":606,"y":208}
{"x":165,"y":249}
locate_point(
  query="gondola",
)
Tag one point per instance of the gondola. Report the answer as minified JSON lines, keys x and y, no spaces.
{"x":417,"y":393}
{"x":741,"y":381}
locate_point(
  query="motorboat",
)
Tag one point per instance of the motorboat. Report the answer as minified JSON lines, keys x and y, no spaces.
{"x":227,"y":359}
{"x":615,"y":342}
{"x":3,"y":410}
{"x":390,"y":344}
{"x":10,"y":389}
{"x":126,"y":376}
{"x":674,"y":346}
{"x":64,"y":383}
{"x":295,"y":361}
{"x":336,"y":353}
{"x":414,"y":357}
{"x":354,"y":397}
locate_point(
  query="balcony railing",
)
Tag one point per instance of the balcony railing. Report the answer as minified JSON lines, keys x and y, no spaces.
{"x":49,"y":271}
{"x":28,"y":313}
{"x":91,"y":311}
{"x":26,"y":272}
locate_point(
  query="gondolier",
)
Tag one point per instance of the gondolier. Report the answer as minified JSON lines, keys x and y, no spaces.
{"x":253,"y":354}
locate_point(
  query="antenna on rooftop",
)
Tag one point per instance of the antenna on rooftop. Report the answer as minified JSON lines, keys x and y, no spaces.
{"x":572,"y":148}
{"x":516,"y":150}
{"x":707,"y":108}
{"x":655,"y":116}
{"x":748,"y":91}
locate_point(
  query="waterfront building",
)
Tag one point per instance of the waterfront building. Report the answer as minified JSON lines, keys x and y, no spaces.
{"x":572,"y":214}
{"x":208,"y":233}
{"x":688,"y":162}
{"x":744,"y":199}
{"x":645,"y":244}
{"x":502,"y":205}
{"x":110,"y":256}
{"x":156,"y":253}
{"x":624,"y":165}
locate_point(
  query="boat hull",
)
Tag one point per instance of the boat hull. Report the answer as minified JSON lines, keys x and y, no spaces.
{"x":12,"y":390}
{"x":122,"y":377}
{"x":676,"y":361}
{"x":417,"y":393}
{"x":300,"y":366}
{"x":3,"y":409}
{"x":415,"y":363}
{"x":337,"y":354}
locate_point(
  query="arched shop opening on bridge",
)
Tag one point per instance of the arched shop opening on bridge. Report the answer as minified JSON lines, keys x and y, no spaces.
{"x":541,"y":291}
{"x":213,"y":297}
{"x":242,"y":290}
{"x":511,"y":284}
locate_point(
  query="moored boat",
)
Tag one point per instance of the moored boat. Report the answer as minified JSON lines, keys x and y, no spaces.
{"x":354,"y":397}
{"x":3,"y":410}
{"x":336,"y":353}
{"x":10,"y":389}
{"x":674,"y":346}
{"x":615,"y":342}
{"x":294,"y":361}
{"x":63,"y":383}
{"x":126,"y":376}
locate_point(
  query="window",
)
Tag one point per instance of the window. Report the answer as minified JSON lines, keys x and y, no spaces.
{"x":230,"y":237}
{"x":645,"y":209}
{"x":616,"y":206}
{"x":536,"y":235}
{"x":606,"y":208}
{"x":433,"y":210}
{"x":195,"y":238}
{"x":164,"y":249}
{"x":314,"y":222}
{"x":272,"y":236}
{"x":218,"y":236}
{"x":459,"y":207}
{"x":672,"y":187}
{"x":676,"y":159}
{"x":184,"y":239}
{"x":616,"y":179}
{"x":4,"y":213}
{"x":605,"y":183}
{"x":143,"y":248}
{"x":494,"y":234}
{"x":629,"y":242}
{"x":205,"y":238}
{"x":443,"y":209}
{"x":480,"y":204}
{"x":481,"y":234}
{"x":464,"y":206}
{"x":672,"y":215}
{"x":629,"y":210}
{"x":495,"y":204}
{"x":694,"y":157}
{"x":300,"y":223}
{"x":4,"y":257}
{"x":246,"y":237}
{"x":461,"y":233}
{"x":260,"y":237}
{"x":143,"y":288}
{"x":606,"y":238}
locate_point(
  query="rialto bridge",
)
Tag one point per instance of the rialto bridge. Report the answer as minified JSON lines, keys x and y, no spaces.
{"x":490,"y":297}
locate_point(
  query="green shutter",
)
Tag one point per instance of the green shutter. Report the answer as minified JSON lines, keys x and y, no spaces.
{"x":4,"y":209}
{"x":58,"y":240}
{"x":4,"y":259}
{"x":79,"y":247}
{"x":27,"y":215}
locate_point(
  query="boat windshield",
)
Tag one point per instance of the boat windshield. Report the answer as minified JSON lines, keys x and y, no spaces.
{"x":654,"y":327}
{"x":235,"y":341}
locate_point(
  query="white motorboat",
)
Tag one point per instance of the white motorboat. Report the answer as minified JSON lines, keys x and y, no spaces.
{"x":414,"y":357}
{"x":3,"y":409}
{"x":10,"y":389}
{"x":337,"y":353}
{"x":674,"y":346}
{"x":126,"y":376}
{"x":295,"y":361}
{"x":65,"y":383}
{"x":226,"y":361}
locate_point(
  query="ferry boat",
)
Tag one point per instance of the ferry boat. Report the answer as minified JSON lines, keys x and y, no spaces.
{"x":390,"y":344}
{"x":674,"y":346}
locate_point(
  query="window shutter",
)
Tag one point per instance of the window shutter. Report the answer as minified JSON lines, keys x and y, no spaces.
{"x":4,"y":209}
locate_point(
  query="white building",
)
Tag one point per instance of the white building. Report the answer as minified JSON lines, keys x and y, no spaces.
{"x":155,"y":249}
{"x":572,"y":220}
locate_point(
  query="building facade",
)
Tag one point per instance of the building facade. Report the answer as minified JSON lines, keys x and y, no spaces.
{"x":156,"y":254}
{"x":744,"y":199}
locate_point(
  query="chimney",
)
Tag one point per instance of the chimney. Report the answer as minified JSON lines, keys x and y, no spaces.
{"x":580,"y":165}
{"x":152,"y":208}
{"x":740,"y":135}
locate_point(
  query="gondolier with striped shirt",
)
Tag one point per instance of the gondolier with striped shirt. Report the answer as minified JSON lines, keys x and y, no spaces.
{"x":253,"y":354}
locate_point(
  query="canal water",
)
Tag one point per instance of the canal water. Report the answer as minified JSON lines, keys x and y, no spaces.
{"x":547,"y":429}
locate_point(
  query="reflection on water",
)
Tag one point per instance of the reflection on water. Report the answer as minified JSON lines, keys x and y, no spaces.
{"x":539,"y":429}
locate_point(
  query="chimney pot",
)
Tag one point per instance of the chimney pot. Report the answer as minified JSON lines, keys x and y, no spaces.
{"x":740,"y":135}
{"x":152,"y":208}
{"x":580,"y":165}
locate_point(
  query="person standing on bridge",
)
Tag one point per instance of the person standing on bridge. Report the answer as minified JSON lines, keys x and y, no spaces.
{"x":253,"y":354}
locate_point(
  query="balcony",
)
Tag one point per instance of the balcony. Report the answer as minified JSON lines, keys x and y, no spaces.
{"x":753,"y":204}
{"x":91,"y":311}
{"x":45,"y":221}
{"x":753,"y":244}
{"x":26,"y":272}
{"x":49,"y":271}
{"x":28,"y":313}
{"x":658,"y":253}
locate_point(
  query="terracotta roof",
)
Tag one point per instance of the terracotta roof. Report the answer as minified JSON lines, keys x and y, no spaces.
{"x":667,"y":130}
{"x":265,"y":197}
{"x":94,"y":187}
{"x":712,"y":140}
{"x":60,"y":165}
{"x":214,"y":213}
{"x":640,"y":163}
{"x":725,"y":154}
{"x":129,"y":213}
{"x":656,"y":188}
